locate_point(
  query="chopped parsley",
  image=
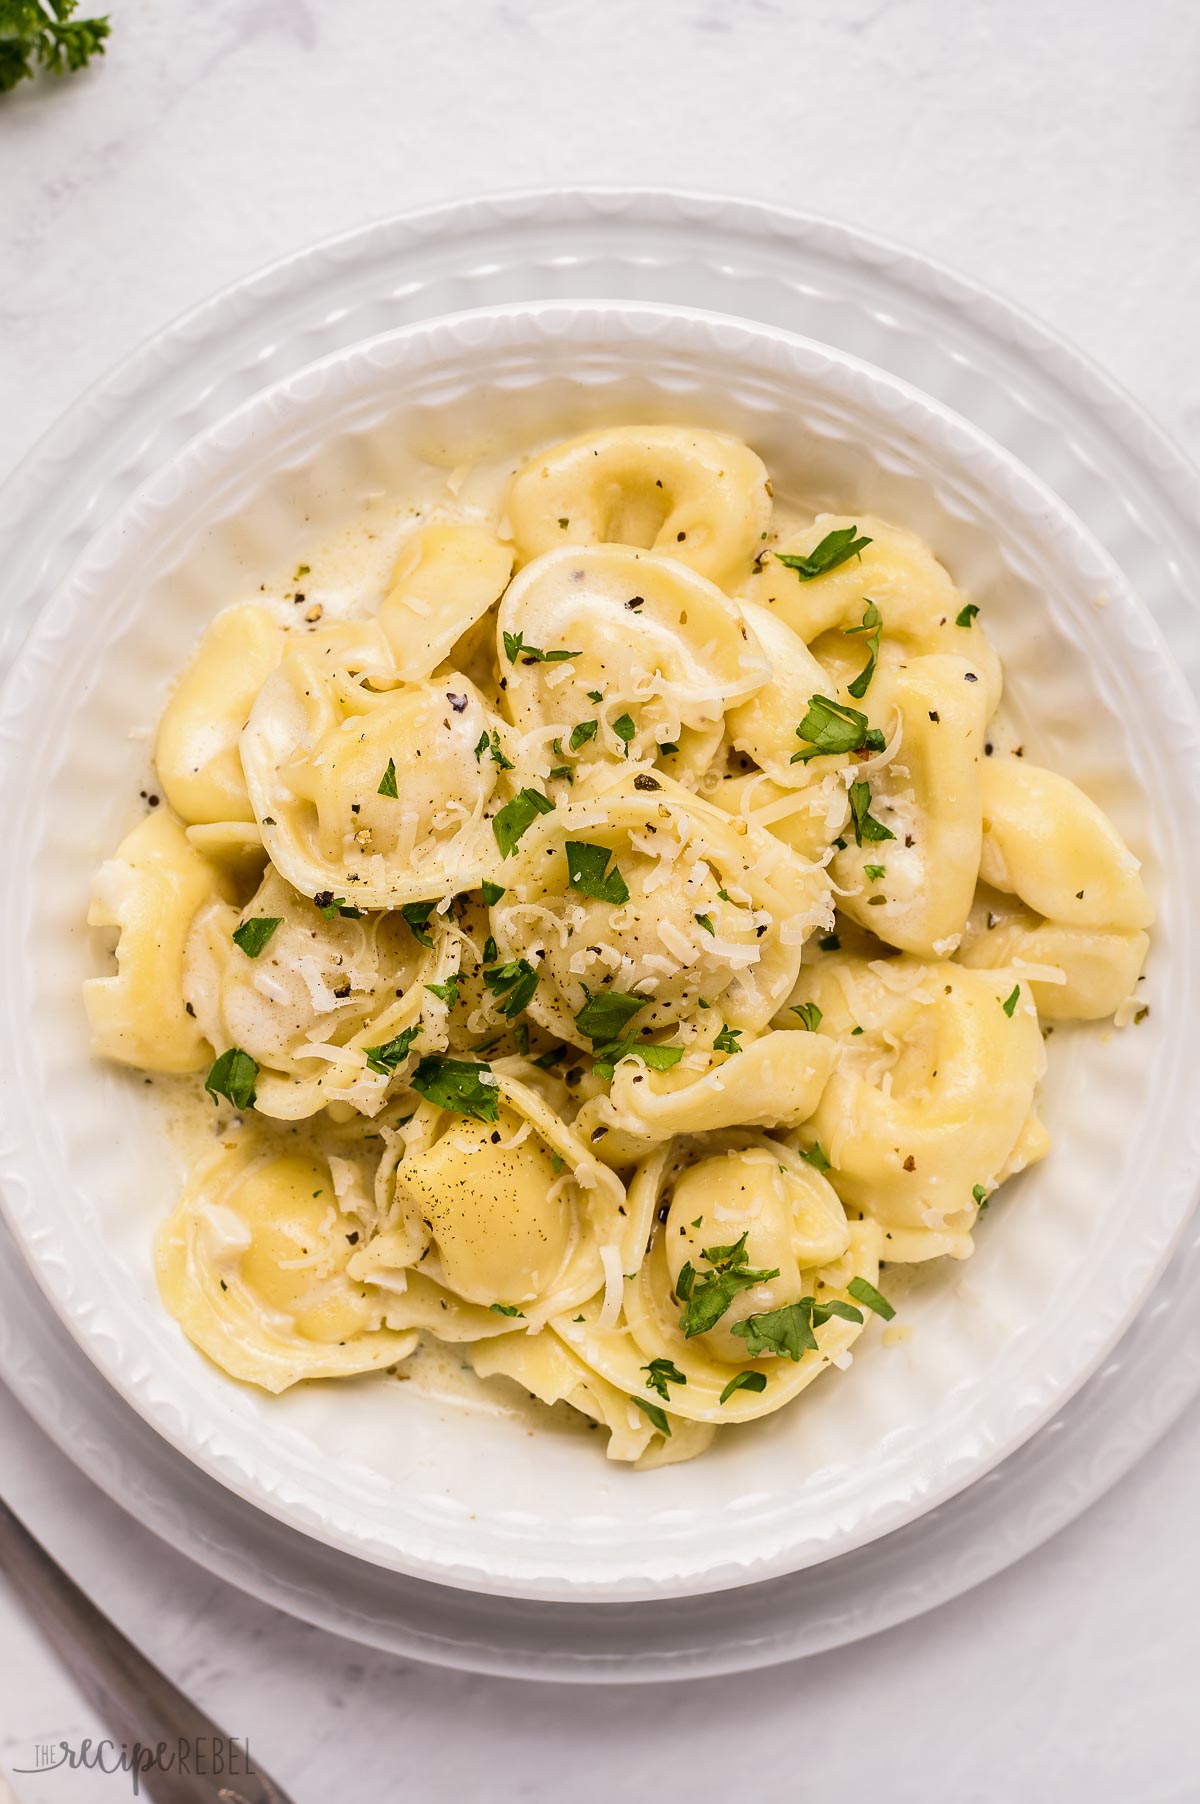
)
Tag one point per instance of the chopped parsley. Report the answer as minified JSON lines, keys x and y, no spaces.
{"x":810,"y":1015}
{"x":588,"y":872}
{"x":872,"y":626}
{"x":870,"y":1298}
{"x":866,"y":827}
{"x":506,"y":1309}
{"x":492,"y":892}
{"x":328,"y":905}
{"x":707,"y":1295}
{"x":705,"y":921}
{"x":727,"y":1040}
{"x":490,"y":743}
{"x":417,"y":914}
{"x":874,"y":872}
{"x":624,"y":729}
{"x":580,"y":734}
{"x":1010,"y":1002}
{"x":387,"y":1057}
{"x":516,"y":816}
{"x":815,"y":1154}
{"x":788,"y":1332}
{"x":979,"y":1192}
{"x":387,"y":783}
{"x":829,"y":728}
{"x":458,"y":1085}
{"x":655,"y":1414}
{"x":445,"y":992}
{"x":744,"y":1381}
{"x":515,"y":647}
{"x":966,"y":615}
{"x":233,"y":1075}
{"x":663,"y":1372}
{"x":595,"y":695}
{"x":253,"y":934}
{"x":515,"y":981}
{"x":837,"y":547}
{"x":605,"y":1015}
{"x":656,"y":1058}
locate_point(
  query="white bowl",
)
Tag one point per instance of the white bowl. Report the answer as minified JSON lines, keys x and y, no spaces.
{"x":1069,"y":1252}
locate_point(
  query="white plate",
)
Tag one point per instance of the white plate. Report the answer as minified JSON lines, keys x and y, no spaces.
{"x":445,"y":1497}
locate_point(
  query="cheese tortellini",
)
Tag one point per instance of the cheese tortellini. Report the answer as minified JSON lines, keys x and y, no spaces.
{"x":616,"y":944}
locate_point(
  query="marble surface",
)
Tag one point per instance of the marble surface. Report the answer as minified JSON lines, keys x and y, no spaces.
{"x":1051,"y":152}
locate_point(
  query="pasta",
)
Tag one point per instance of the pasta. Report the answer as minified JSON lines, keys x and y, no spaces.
{"x":616,"y":943}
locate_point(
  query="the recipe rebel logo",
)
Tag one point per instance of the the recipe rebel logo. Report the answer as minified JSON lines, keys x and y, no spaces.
{"x":225,"y":1758}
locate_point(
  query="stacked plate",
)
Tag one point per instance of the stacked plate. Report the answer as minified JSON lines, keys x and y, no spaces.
{"x":1114,"y":516}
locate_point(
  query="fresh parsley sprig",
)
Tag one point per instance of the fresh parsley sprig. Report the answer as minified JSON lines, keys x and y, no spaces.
{"x":707,"y":1295}
{"x":49,"y":35}
{"x":831,"y":727}
{"x":836,"y":548}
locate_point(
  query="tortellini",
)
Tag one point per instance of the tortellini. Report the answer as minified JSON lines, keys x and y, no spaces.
{"x":253,"y":1266}
{"x":665,"y":651}
{"x":365,"y":784}
{"x":702,"y":498}
{"x":614,"y":936}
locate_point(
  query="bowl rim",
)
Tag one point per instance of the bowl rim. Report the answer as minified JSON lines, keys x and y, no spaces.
{"x":749,"y":341}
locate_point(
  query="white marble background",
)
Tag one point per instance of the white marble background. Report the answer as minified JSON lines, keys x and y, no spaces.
{"x":1049,"y":147}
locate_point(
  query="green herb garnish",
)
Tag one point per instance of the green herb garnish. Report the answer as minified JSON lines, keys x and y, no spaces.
{"x":624,"y":729}
{"x":588,"y":872}
{"x":727,"y":1040}
{"x":253,"y":934}
{"x":663,"y":1372}
{"x":458,"y":1085}
{"x":655,"y":1414}
{"x":492,"y":892}
{"x":966,"y":615}
{"x":810,"y":1015}
{"x":604,"y":1016}
{"x":866,"y":827}
{"x":836,"y":548}
{"x":515,"y":647}
{"x":829,"y":728}
{"x":705,"y":921}
{"x":870,"y":1298}
{"x":392,"y":1053}
{"x":516,"y":816}
{"x":417,"y":914}
{"x":815,"y":1154}
{"x":233,"y":1075}
{"x":788,"y":1332}
{"x":387,"y":783}
{"x":586,"y":729}
{"x":1010,"y":1002}
{"x":515,"y":981}
{"x":872,"y":626}
{"x":744,"y":1381}
{"x":31,"y":33}
{"x":707,"y":1295}
{"x":506,"y":1309}
{"x":446,"y":992}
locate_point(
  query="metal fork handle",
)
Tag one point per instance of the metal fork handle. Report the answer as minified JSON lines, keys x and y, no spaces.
{"x":137,"y":1705}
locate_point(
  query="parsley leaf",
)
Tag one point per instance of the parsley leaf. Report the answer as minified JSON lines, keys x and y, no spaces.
{"x":815,"y":1155}
{"x":662,"y":1373}
{"x":392,"y":1053}
{"x":417,"y":916}
{"x":655,"y":1414}
{"x":836,"y":548}
{"x":872,"y":626}
{"x":1010,"y":1002}
{"x":253,"y":934}
{"x":605,"y":1015}
{"x":586,"y":872}
{"x":866,"y":827}
{"x":966,"y":615}
{"x":829,"y":728}
{"x":492,"y":892}
{"x":979,"y":1192}
{"x":49,"y":36}
{"x":874,"y":872}
{"x":233,"y":1075}
{"x":705,"y":921}
{"x":387,"y":783}
{"x":515,"y":981}
{"x":516,"y":816}
{"x":810,"y":1016}
{"x":458,"y":1085}
{"x":707,"y":1295}
{"x":506,"y":1309}
{"x":624,"y":729}
{"x":595,"y":695}
{"x":727,"y":1040}
{"x":744,"y":1381}
{"x":586,"y":729}
{"x":490,"y":743}
{"x":870,"y":1298}
{"x":788,"y":1332}
{"x":328,"y":905}
{"x":445,"y":992}
{"x":515,"y":647}
{"x":656,"y":1058}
